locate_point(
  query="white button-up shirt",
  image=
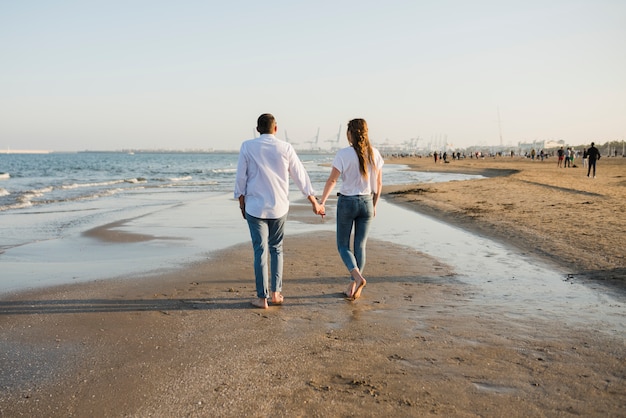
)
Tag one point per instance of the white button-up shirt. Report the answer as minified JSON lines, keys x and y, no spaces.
{"x":263,"y":170}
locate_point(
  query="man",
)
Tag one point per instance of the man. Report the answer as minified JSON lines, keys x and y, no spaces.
{"x":593,"y":155}
{"x":262,"y":188}
{"x":561,"y":154}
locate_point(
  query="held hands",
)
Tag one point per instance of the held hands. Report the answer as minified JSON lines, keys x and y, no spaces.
{"x":318,"y":208}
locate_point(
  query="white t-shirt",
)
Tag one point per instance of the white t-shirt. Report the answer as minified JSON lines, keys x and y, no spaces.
{"x":263,"y":170}
{"x":352,"y":182}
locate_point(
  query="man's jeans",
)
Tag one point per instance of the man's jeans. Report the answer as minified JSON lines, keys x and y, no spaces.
{"x":357,"y":211}
{"x":267,"y":234}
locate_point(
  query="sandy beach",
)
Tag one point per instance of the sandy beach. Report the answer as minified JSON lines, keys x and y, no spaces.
{"x":421,"y":341}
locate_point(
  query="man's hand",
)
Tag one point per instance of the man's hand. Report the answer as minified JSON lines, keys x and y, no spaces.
{"x":242,"y":206}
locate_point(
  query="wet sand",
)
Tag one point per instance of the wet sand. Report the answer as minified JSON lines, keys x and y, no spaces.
{"x":558,"y":214}
{"x":418,"y":343}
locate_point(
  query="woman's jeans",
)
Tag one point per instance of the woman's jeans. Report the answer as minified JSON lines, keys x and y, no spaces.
{"x":267,"y":234}
{"x":357,"y":211}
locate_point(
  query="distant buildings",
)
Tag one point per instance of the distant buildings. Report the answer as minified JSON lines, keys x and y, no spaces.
{"x":526,"y":147}
{"x":22,"y":151}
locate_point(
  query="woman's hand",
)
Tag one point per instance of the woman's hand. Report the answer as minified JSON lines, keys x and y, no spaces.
{"x":318,"y":209}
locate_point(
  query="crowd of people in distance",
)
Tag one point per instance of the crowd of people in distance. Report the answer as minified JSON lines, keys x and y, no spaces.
{"x":565,"y":157}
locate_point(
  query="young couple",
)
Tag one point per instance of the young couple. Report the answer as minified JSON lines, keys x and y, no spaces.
{"x":262,"y":188}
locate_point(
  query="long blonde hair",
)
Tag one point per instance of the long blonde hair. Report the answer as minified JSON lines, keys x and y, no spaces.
{"x":361,"y":143}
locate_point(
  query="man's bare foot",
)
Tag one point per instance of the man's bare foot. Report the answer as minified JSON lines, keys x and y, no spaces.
{"x":349,"y":292}
{"x":259,"y":303}
{"x":277,"y":298}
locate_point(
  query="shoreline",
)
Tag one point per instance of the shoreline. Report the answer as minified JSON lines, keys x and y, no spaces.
{"x":556,"y":228}
{"x":137,"y":233}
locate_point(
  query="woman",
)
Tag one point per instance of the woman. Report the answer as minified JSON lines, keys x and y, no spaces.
{"x":360,"y":168}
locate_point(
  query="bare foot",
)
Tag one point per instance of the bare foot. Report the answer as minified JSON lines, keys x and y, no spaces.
{"x":349,"y":292}
{"x":277,"y":298}
{"x":360,"y":284}
{"x":259,"y":303}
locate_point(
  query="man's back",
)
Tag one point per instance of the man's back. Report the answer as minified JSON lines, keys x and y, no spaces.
{"x":263,"y":171}
{"x":593,"y":153}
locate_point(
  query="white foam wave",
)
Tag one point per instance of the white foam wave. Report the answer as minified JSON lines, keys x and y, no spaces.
{"x":224,"y":170}
{"x":104,"y":193}
{"x":4,"y":192}
{"x":31,"y":194}
{"x":20,"y":205}
{"x":104,"y":183}
{"x":5,"y":176}
{"x":185,"y":178}
{"x":136,"y":181}
{"x":25,"y":200}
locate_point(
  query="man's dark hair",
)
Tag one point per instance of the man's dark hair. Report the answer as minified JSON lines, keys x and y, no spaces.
{"x":265,"y":124}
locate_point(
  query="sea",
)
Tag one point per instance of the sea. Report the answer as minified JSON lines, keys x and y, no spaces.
{"x":48,"y":201}
{"x":89,"y":185}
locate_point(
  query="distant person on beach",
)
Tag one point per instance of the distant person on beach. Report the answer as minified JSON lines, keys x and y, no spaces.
{"x":593,"y":155}
{"x":585,"y":158}
{"x":262,"y":188}
{"x":561,"y":155}
{"x":568,"y":157}
{"x":436,"y":156}
{"x":360,"y":168}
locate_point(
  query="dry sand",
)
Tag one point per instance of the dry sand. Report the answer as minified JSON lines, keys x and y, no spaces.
{"x":416,"y":344}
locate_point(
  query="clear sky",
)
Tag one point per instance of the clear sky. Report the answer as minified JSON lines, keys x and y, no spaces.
{"x":108,"y":75}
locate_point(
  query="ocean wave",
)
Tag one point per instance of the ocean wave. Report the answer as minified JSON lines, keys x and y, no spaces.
{"x":90,"y":196}
{"x":223,"y":170}
{"x":185,"y":178}
{"x":20,"y":205}
{"x":38,"y":197}
{"x":100,"y":184}
{"x":136,"y":181}
{"x":103,"y":193}
{"x":32,"y":194}
{"x":5,"y":176}
{"x":84,"y":176}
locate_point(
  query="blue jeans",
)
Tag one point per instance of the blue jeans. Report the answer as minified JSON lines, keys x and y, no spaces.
{"x":267,"y":234}
{"x":357,"y":211}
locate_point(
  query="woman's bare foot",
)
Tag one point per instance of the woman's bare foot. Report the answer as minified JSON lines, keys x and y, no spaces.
{"x":359,"y":287}
{"x":359,"y":283}
{"x":350,"y":290}
{"x":277,"y":298}
{"x":260,"y":303}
